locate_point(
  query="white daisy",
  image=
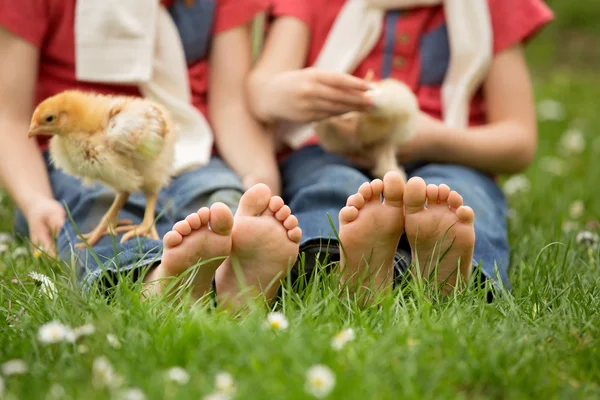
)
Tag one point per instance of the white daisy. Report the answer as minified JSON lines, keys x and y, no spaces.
{"x":14,"y":367}
{"x":54,"y":332}
{"x":3,"y":248}
{"x":103,"y":374}
{"x":46,"y":284}
{"x":131,"y":394}
{"x":20,"y":252}
{"x":56,"y":392}
{"x":568,"y":226}
{"x":587,"y":238}
{"x":516,"y":184}
{"x":277,"y":321}
{"x":320,"y":381}
{"x":572,"y":142}
{"x":217,"y":396}
{"x":5,"y":238}
{"x":84,"y":330}
{"x":224,"y":382}
{"x":554,"y":166}
{"x":178,"y":375}
{"x":576,"y":209}
{"x":342,"y":338}
{"x":550,"y":110}
{"x":113,"y":341}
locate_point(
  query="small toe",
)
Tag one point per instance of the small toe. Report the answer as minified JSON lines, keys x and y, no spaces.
{"x":204,"y":214}
{"x":348,"y":214}
{"x":295,"y":235}
{"x":194,"y":221}
{"x":290,"y":222}
{"x":275,"y":205}
{"x":465,"y":214}
{"x":283,"y":213}
{"x":221,"y":219}
{"x":183,"y":227}
{"x":455,"y":200}
{"x":415,"y":194}
{"x":443,"y":192}
{"x":356,"y":200}
{"x":432,"y":194}
{"x":393,"y":189}
{"x":366,"y":191}
{"x":377,"y":188}
{"x":172,"y":239}
{"x":254,"y":201}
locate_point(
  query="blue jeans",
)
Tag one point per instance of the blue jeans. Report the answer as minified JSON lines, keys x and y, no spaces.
{"x":185,"y":195}
{"x":317,"y":184}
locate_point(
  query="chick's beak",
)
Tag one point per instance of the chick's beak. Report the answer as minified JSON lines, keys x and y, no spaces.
{"x":33,"y":130}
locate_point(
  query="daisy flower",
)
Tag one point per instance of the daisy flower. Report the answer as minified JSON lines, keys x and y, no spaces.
{"x":217,"y":396}
{"x":84,"y":330}
{"x":178,"y":375}
{"x":54,"y":332}
{"x":572,"y":142}
{"x":320,"y":381}
{"x":576,"y":209}
{"x":5,"y":238}
{"x":516,"y":184}
{"x":103,"y":374}
{"x":131,"y":394}
{"x":587,"y":238}
{"x":342,"y":338}
{"x":113,"y":341}
{"x":277,"y":321}
{"x":224,"y":383}
{"x":550,"y":110}
{"x":46,"y":284}
{"x":14,"y":367}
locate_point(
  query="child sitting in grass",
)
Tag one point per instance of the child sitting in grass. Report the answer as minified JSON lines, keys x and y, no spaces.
{"x":49,"y":46}
{"x":477,"y":121}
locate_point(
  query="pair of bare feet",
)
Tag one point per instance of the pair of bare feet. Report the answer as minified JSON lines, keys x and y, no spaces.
{"x":263,"y":237}
{"x":441,"y":235}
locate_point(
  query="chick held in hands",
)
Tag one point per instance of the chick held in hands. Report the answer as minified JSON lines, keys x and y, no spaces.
{"x":376,"y":133}
{"x":126,"y":143}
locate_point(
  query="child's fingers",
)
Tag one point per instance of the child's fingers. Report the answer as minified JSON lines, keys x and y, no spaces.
{"x":353,"y":100}
{"x":342,"y":81}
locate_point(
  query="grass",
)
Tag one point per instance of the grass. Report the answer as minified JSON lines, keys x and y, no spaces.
{"x":538,"y":341}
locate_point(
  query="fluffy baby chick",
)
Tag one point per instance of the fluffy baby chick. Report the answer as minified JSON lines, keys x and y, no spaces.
{"x":126,"y":143}
{"x":375,"y":133}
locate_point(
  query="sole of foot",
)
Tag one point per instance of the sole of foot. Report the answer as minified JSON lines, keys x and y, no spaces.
{"x":265,"y":246}
{"x":369,"y":232}
{"x":444,"y":229}
{"x":198,"y":239}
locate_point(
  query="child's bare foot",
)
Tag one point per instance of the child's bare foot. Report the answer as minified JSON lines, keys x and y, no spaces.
{"x":370,"y":231}
{"x":265,"y":246}
{"x":442,"y":230}
{"x":199,"y":237}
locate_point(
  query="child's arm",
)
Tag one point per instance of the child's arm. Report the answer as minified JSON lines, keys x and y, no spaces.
{"x":243,"y":142}
{"x":507,"y":144}
{"x":280,"y":88}
{"x":22,"y":170}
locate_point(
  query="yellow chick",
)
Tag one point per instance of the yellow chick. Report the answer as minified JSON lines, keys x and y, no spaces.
{"x":376,"y":133}
{"x":126,"y":143}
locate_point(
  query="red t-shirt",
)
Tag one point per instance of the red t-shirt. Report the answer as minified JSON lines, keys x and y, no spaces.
{"x":414,"y":46}
{"x":49,"y":25}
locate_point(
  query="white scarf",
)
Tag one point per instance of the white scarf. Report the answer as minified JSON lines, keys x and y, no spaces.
{"x":358,"y":28}
{"x":137,"y":42}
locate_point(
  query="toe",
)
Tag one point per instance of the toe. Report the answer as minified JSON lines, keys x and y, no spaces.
{"x":356,"y":200}
{"x":414,"y":195}
{"x":443,"y":192}
{"x":366,"y":191}
{"x":254,"y":201}
{"x":455,"y":200}
{"x":172,"y":239}
{"x":204,"y":214}
{"x":221,"y":219}
{"x":348,"y":214}
{"x":283,"y":213}
{"x":290,"y":222}
{"x":275,"y":205}
{"x":393,"y":189}
{"x":183,"y":227}
{"x":377,"y":188}
{"x":295,"y":235}
{"x":465,"y":214}
{"x":194,"y":221}
{"x":432,"y":194}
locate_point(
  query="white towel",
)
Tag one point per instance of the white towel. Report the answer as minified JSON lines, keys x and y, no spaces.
{"x":137,"y":42}
{"x":358,"y":27}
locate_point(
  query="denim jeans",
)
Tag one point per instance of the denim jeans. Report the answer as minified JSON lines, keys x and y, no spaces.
{"x":185,"y":195}
{"x":317,"y":184}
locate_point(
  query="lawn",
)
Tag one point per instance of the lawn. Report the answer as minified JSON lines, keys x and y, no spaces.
{"x":541,"y":340}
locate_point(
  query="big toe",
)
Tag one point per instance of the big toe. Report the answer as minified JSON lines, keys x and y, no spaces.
{"x":415,"y":194}
{"x":221,"y":219}
{"x":254,"y":201}
{"x":393,"y":189}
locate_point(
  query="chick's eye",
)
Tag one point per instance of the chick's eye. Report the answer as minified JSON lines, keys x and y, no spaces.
{"x":50,"y":118}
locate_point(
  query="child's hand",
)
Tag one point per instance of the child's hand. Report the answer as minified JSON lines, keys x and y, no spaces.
{"x":425,"y":144}
{"x":311,"y":94}
{"x":45,"y":217}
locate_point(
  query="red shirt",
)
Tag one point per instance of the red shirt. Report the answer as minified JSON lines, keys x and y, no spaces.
{"x":414,"y":46}
{"x":49,"y":25}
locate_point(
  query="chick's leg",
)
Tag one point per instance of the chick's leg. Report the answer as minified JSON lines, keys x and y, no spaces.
{"x":108,"y":222}
{"x":147,"y":227}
